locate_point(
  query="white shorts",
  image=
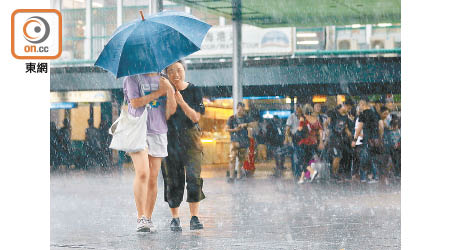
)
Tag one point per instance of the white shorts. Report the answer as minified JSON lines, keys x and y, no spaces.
{"x":157,"y":145}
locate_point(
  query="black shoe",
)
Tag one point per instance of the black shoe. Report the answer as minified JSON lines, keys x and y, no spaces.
{"x":175,"y":225}
{"x":195,"y":223}
{"x":230,"y":180}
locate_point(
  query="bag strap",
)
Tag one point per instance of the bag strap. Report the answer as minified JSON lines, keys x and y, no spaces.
{"x":117,"y":121}
{"x":125,"y":100}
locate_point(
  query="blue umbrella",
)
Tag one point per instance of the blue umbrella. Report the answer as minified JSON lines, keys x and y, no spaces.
{"x":151,"y":44}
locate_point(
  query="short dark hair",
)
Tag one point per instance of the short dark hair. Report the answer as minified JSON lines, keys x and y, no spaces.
{"x":241,"y":104}
{"x":182,"y":62}
{"x":349,"y":101}
{"x":364,"y":98}
{"x":383,"y":108}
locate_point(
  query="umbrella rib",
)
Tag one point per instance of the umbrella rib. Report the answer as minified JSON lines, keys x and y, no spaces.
{"x":157,"y":21}
{"x":108,"y":44}
{"x":189,"y":40}
{"x":151,"y":47}
{"x":153,"y":53}
{"x":120,"y":55}
{"x":123,"y":45}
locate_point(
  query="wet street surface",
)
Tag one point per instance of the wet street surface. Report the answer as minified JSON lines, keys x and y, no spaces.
{"x":95,"y":211}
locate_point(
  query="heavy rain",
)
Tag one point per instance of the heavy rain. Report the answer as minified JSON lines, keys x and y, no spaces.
{"x":267,"y":125}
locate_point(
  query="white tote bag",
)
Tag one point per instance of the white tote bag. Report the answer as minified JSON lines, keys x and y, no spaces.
{"x":131,"y":132}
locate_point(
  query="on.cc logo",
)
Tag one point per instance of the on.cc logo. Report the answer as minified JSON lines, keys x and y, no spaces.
{"x":39,"y":29}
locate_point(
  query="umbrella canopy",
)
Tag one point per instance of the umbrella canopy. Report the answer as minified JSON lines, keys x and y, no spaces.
{"x":152,"y":44}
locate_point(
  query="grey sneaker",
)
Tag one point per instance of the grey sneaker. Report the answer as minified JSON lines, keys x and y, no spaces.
{"x":142,"y":225}
{"x":152,"y":228}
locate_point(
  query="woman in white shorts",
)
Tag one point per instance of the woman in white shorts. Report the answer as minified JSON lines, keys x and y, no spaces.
{"x":140,"y":90}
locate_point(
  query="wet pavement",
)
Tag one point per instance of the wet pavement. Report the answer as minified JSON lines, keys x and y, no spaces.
{"x":97,"y":211}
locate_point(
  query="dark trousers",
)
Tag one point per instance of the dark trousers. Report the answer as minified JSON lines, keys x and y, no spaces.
{"x":305,"y":154}
{"x":183,"y":166}
{"x":296,"y":165}
{"x":396,"y":161}
{"x":347,"y":161}
{"x":279,"y":156}
{"x":357,"y":163}
{"x":368,"y":161}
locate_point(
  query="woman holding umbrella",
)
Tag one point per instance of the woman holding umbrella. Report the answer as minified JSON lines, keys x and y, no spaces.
{"x":156,"y":92}
{"x":184,"y":148}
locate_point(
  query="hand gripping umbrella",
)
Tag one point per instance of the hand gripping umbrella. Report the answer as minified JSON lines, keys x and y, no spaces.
{"x":151,"y":44}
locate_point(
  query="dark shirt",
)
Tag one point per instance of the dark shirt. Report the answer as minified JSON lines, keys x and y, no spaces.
{"x":338,"y":123}
{"x":240,"y":136}
{"x":275,"y":133}
{"x":178,"y":122}
{"x":370,"y":119}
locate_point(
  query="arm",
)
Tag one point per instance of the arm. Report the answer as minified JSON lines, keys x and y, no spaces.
{"x":347,"y":131}
{"x":144,"y":100}
{"x":193,"y":115}
{"x":171,"y":105}
{"x":300,"y":123}
{"x":321,"y":146}
{"x":253,"y":124}
{"x":381,"y":128}
{"x":228,"y":129}
{"x":287,"y":134}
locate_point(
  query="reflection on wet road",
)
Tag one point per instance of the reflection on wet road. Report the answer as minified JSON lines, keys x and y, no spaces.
{"x":93,"y":211}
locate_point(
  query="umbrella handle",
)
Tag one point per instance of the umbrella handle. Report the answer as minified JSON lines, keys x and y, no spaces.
{"x":142,"y":15}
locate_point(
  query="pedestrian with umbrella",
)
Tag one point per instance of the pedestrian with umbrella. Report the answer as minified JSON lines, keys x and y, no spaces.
{"x":139,"y":50}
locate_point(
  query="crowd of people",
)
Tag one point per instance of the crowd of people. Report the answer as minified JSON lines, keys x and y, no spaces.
{"x":94,"y":151}
{"x":352,"y":141}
